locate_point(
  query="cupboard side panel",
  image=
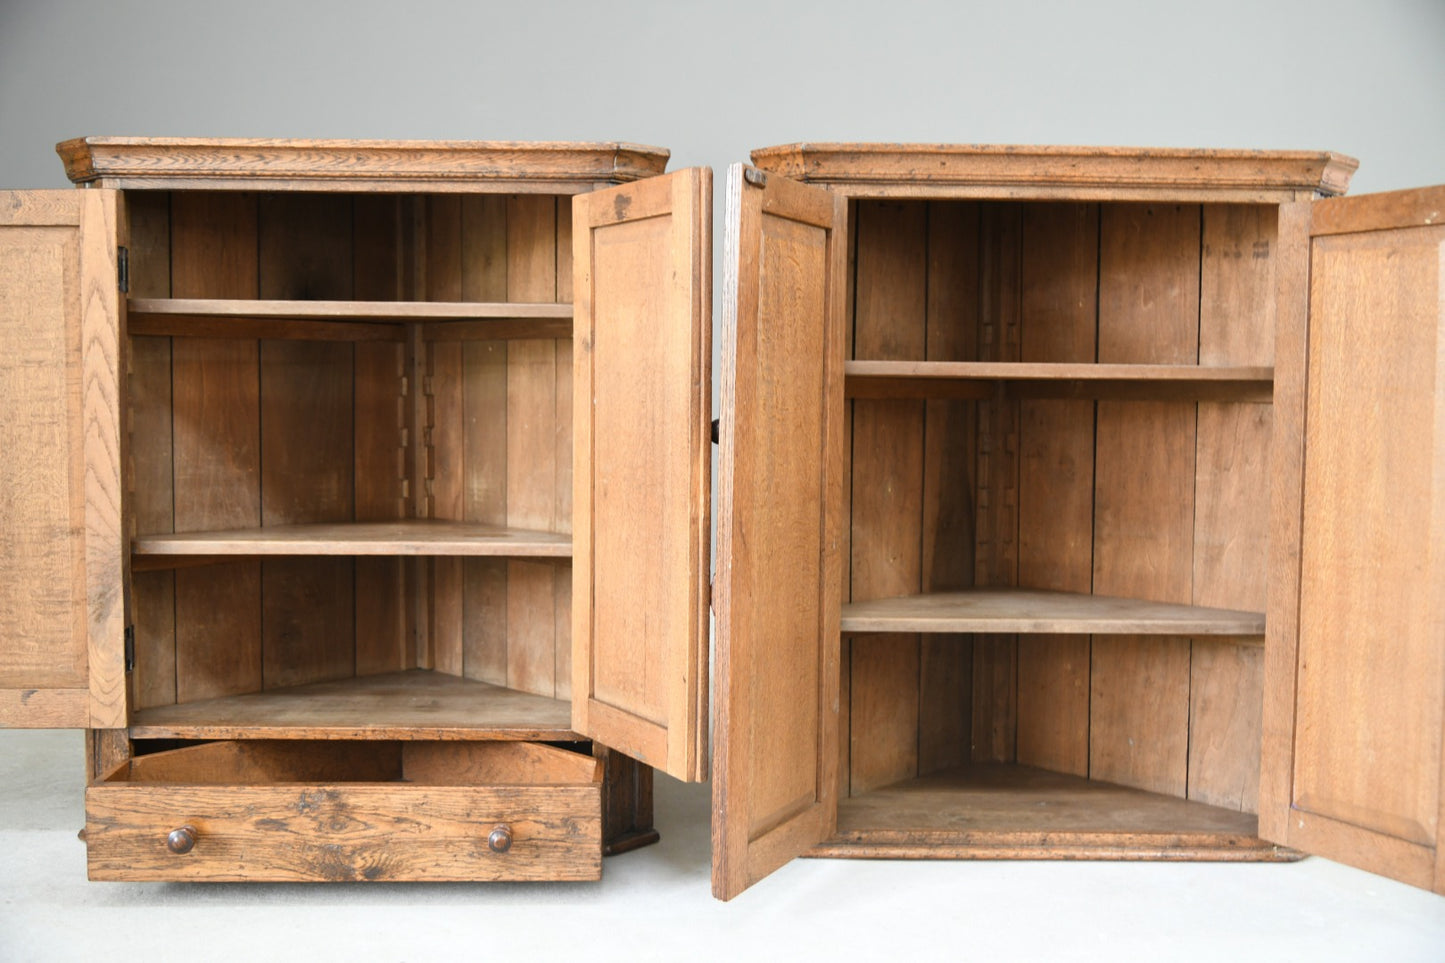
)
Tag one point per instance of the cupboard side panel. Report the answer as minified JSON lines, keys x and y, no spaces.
{"x":890,"y":323}
{"x":217,"y":446}
{"x":1144,"y":494}
{"x":945,"y":712}
{"x":150,"y":461}
{"x":307,"y":442}
{"x":1056,"y":479}
{"x":1236,"y":326}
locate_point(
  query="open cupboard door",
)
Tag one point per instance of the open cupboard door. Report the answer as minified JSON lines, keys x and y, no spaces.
{"x":1354,"y":727}
{"x":62,"y":649}
{"x":776,"y":595}
{"x":642,"y":350}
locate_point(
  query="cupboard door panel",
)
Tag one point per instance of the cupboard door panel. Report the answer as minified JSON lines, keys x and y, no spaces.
{"x":780,"y":463}
{"x":642,"y":359}
{"x":1366,"y":697}
{"x":61,"y":600}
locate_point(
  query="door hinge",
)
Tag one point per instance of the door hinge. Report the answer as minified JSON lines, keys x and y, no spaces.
{"x":129,"y":648}
{"x":122,"y":267}
{"x":755,"y":177}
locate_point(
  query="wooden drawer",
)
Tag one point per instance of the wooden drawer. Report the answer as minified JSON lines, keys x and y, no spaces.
{"x":299,"y":811}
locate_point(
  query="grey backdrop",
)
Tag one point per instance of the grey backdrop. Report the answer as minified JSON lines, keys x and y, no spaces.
{"x":711,"y":81}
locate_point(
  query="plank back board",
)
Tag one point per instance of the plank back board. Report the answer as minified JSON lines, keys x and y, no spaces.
{"x":61,"y":605}
{"x":780,"y":468}
{"x":641,"y":397}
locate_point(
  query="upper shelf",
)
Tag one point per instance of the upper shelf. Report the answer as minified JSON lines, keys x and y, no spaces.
{"x":412,"y":537}
{"x":1078,"y":173}
{"x":166,"y":163}
{"x":1034,"y":611}
{"x":980,"y":379}
{"x":346,"y":320}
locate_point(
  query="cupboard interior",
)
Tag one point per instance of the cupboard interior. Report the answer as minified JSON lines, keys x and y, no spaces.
{"x":1037,"y":732}
{"x":352,"y":495}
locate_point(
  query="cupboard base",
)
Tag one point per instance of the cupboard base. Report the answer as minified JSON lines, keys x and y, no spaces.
{"x":1019,"y":812}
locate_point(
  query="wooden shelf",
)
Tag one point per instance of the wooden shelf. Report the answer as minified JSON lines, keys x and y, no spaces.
{"x":346,"y":320}
{"x":416,"y":537}
{"x":1003,"y":811}
{"x":984,"y":379}
{"x":1035,"y":611}
{"x":417,"y":704}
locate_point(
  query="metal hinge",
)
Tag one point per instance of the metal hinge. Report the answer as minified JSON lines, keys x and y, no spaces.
{"x":755,"y":177}
{"x":123,"y":269}
{"x":129,"y":648}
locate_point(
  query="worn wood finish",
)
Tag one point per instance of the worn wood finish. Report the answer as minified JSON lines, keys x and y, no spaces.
{"x":626,"y":802}
{"x":1020,"y":812}
{"x":150,"y":462}
{"x":640,"y":521}
{"x":307,"y":463}
{"x":216,"y":394}
{"x":945,"y":665}
{"x":1144,"y":493}
{"x":981,"y":380}
{"x":1081,"y":173}
{"x":409,"y":537}
{"x":60,"y":328}
{"x":416,"y":704}
{"x":199,"y":163}
{"x":288,"y":815}
{"x":1236,"y":326}
{"x":890,"y":322}
{"x":1010,"y":610}
{"x":1056,"y":474}
{"x":776,"y":604}
{"x":1368,"y":708}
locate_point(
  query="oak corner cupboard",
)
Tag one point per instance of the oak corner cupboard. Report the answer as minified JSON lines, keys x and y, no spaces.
{"x":1071,"y":503}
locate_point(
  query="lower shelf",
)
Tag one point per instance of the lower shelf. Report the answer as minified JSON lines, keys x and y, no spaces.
{"x":1019,"y":812}
{"x":417,"y":704}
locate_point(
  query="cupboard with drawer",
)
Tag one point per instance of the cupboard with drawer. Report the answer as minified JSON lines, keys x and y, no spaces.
{"x":1071,"y":503}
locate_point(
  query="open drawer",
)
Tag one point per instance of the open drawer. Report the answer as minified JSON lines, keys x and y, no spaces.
{"x":292,"y":811}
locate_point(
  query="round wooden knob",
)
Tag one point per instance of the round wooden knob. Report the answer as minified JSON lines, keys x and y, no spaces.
{"x":501,"y":839}
{"x":181,"y":841}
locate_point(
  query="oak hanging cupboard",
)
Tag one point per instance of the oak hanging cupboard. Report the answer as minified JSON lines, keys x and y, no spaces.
{"x":1071,"y":502}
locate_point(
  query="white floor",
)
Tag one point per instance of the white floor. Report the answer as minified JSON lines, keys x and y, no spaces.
{"x":656,"y":904}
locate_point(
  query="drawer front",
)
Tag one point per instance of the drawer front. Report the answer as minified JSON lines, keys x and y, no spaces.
{"x":296,"y":833}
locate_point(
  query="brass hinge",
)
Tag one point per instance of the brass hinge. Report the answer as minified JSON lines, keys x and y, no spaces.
{"x":122,"y":267}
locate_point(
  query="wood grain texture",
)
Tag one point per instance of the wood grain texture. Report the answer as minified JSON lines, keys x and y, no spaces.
{"x":1236,"y":326}
{"x":484,"y":399}
{"x":355,"y":165}
{"x":345,"y":823}
{"x":150,"y":462}
{"x":215,"y":391}
{"x":307,"y":463}
{"x":1085,"y":173}
{"x":640,"y":519}
{"x":409,"y":537}
{"x":890,"y":323}
{"x":1144,"y":493}
{"x":417,"y":704}
{"x":775,"y":787}
{"x":531,"y":465}
{"x":60,"y":326}
{"x":1020,"y":812}
{"x":1285,"y":521}
{"x":945,"y":665}
{"x":1056,"y":468}
{"x":1370,"y":710}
